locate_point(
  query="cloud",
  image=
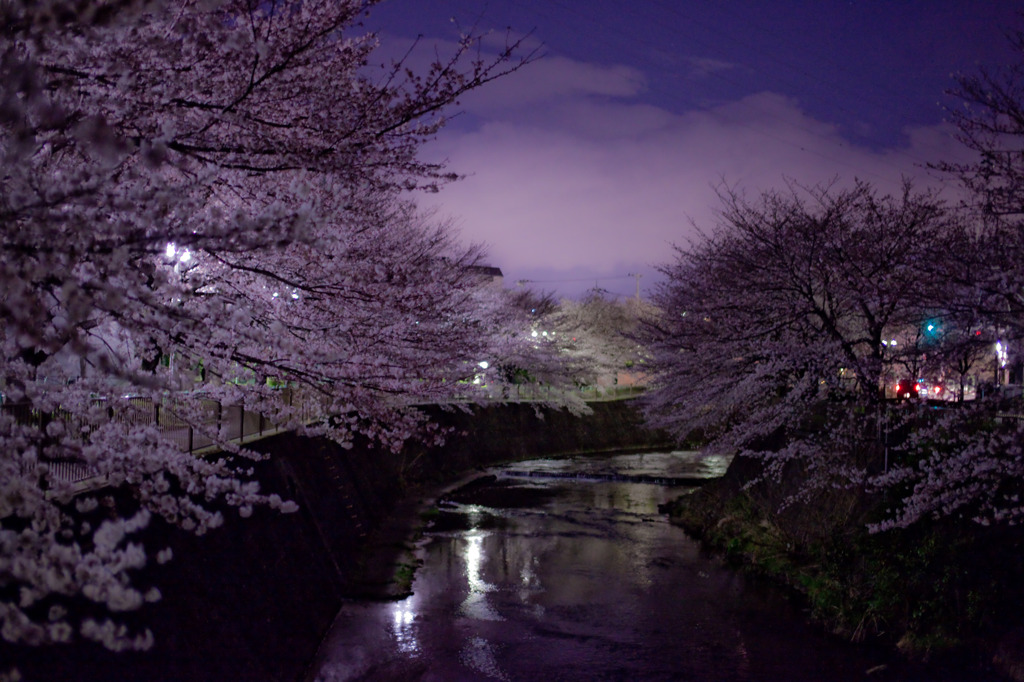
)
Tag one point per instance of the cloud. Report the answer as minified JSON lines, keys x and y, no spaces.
{"x":702,"y":66}
{"x":571,"y":171}
{"x":544,"y":80}
{"x":555,"y":78}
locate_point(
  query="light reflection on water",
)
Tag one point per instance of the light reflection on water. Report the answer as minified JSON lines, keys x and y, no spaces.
{"x":479,"y":655}
{"x":475,"y":604}
{"x":586,"y":581}
{"x":559,"y":567}
{"x":678,"y":463}
{"x":403,"y":631}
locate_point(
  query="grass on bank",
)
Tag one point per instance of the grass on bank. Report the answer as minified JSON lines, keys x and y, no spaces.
{"x":946,"y":588}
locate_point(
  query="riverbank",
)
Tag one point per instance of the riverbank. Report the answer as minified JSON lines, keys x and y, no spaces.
{"x":252,"y":600}
{"x":948,"y":591}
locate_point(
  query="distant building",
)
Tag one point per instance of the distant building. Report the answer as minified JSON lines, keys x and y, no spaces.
{"x":488,"y":274}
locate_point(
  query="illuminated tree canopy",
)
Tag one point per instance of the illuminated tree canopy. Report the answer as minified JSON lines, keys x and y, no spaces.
{"x":216,"y":190}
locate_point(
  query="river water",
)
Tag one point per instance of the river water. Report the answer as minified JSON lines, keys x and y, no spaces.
{"x":565,"y":570}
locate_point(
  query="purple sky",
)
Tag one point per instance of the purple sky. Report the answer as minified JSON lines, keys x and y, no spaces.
{"x":588,"y":164}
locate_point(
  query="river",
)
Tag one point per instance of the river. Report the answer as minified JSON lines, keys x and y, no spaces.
{"x":565,"y":570}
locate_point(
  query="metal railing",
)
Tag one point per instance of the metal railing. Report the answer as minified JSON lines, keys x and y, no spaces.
{"x":217,"y":424}
{"x":236,"y":424}
{"x":230,"y":423}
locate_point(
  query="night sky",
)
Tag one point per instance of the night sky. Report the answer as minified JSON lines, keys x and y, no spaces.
{"x":586,"y":165}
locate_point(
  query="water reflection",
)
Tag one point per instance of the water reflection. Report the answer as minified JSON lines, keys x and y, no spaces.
{"x":479,"y":655}
{"x":559,"y":578}
{"x":678,"y":463}
{"x":475,"y":605}
{"x":529,"y":585}
{"x":403,"y":628}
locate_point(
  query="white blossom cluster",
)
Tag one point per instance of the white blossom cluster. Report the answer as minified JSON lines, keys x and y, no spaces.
{"x":963,"y":464}
{"x":599,"y":333}
{"x":202,"y":201}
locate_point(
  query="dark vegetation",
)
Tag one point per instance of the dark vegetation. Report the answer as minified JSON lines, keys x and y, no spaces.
{"x":944,"y":589}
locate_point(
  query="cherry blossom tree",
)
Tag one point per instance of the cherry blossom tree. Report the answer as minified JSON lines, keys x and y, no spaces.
{"x":962,"y":463}
{"x":969,"y":461}
{"x":215,"y":184}
{"x":525,"y":360}
{"x":598,"y":334}
{"x":775,"y":325}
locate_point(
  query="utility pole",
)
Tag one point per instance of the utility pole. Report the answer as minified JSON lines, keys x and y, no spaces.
{"x":637,"y":276}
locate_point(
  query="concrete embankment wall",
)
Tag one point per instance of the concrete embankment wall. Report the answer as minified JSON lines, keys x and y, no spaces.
{"x":252,"y":600}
